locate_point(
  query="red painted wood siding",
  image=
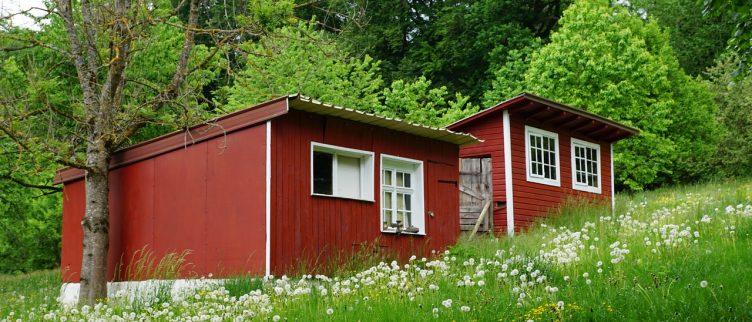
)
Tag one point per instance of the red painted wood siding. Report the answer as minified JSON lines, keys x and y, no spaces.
{"x":532,"y":200}
{"x":208,"y":198}
{"x":308,"y":231}
{"x":490,"y":129}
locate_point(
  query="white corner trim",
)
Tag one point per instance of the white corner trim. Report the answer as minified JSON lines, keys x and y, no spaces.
{"x":508,"y":173}
{"x":613,"y":201}
{"x":579,"y":186}
{"x":267,"y":263}
{"x":528,"y":171}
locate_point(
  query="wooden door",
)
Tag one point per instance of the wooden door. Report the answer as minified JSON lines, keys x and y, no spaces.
{"x":475,"y":191}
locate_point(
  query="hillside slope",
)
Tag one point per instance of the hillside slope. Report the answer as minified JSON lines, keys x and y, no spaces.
{"x":683,"y":253}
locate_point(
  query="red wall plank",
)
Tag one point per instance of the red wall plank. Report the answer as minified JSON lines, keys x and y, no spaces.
{"x":309,"y":231}
{"x":74,"y":196}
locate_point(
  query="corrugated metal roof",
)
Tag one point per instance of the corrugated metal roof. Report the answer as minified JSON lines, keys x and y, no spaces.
{"x":307,"y":104}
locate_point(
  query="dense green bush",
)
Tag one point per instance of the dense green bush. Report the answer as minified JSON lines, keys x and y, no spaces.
{"x":29,"y":229}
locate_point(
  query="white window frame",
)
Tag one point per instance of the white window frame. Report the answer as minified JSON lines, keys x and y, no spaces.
{"x":366,"y":170}
{"x":415,"y":168}
{"x":528,"y":168}
{"x":584,"y":186}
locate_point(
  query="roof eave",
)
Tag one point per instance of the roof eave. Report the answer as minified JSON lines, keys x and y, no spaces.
{"x":534,"y":98}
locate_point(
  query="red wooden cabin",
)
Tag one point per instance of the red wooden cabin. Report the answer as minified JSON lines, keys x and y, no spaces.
{"x":542,"y":153}
{"x":264,"y":190}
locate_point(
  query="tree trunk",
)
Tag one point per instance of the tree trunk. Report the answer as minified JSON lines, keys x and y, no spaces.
{"x":95,"y":226}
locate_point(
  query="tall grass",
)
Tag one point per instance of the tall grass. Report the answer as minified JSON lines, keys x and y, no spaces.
{"x":680,"y":253}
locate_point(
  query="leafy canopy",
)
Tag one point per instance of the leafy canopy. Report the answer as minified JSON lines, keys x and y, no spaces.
{"x":300,"y":59}
{"x":613,"y":63}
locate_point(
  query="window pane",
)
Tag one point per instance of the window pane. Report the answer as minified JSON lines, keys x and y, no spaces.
{"x":407,"y":180}
{"x":400,"y":201}
{"x":387,"y":218}
{"x":401,"y":216}
{"x":322,"y":173}
{"x":348,"y":176}
{"x":387,"y":178}
{"x":400,"y":179}
{"x":386,"y":200}
{"x":408,"y":201}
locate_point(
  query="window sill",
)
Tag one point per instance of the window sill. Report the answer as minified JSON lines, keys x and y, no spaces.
{"x":341,"y":197}
{"x":394,"y":232}
{"x":547,"y":182}
{"x":587,"y":189}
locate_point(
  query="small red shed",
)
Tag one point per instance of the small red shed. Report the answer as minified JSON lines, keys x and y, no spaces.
{"x":541,"y":152}
{"x":274,"y":187}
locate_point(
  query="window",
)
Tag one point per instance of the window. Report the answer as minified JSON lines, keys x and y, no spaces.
{"x":586,"y":166}
{"x":542,"y":149}
{"x":341,"y":172}
{"x":402,"y":195}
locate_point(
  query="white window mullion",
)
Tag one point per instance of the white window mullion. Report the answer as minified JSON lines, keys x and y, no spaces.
{"x":335,"y":177}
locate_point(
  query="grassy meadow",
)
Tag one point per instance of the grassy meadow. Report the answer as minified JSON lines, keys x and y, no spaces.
{"x":682,"y":253}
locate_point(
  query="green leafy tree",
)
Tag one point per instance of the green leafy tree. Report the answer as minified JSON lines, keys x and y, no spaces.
{"x":299,"y":58}
{"x":417,"y":102}
{"x":452,"y":43}
{"x":741,"y":13}
{"x":611,"y":62}
{"x":697,"y":38}
{"x":734,"y":97}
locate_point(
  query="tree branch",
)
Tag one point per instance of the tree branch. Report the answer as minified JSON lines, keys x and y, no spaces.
{"x":29,"y":185}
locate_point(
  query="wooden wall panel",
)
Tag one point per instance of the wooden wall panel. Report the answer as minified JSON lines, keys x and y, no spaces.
{"x":235,"y":201}
{"x":308,"y":231}
{"x":180,"y":205}
{"x":208,"y":198}
{"x":74,"y":197}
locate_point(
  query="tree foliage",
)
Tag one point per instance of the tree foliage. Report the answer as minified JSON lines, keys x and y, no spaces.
{"x":301,"y":59}
{"x":452,"y":43}
{"x":734,"y":97}
{"x":697,"y":38}
{"x":298,"y":58}
{"x":613,"y":63}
